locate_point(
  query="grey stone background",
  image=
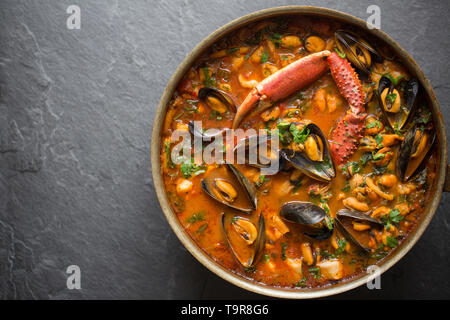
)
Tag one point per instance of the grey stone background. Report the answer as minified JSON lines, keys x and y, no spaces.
{"x":76,"y":113}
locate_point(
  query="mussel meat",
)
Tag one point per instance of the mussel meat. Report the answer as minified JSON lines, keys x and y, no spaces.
{"x":217,"y":99}
{"x":230,"y":187}
{"x":314,"y":160}
{"x":245,"y":240}
{"x":397,"y":107}
{"x":356,"y":49}
{"x":413,"y":151}
{"x":356,"y":227}
{"x":314,"y":43}
{"x":313,"y":217}
{"x":314,"y":147}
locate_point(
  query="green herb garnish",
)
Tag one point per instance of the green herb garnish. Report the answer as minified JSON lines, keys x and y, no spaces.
{"x":301,"y":283}
{"x":197,"y":216}
{"x":284,"y":246}
{"x":340,"y":53}
{"x":264,"y":57}
{"x":170,"y":164}
{"x":202,"y":228}
{"x":391,"y":241}
{"x":299,"y":135}
{"x":341,"y":247}
{"x":394,"y":81}
{"x":315,"y":272}
{"x":391,"y":97}
{"x":379,"y":139}
{"x":189,"y":168}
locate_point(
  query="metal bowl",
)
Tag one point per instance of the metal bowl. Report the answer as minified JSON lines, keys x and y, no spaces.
{"x":441,"y":183}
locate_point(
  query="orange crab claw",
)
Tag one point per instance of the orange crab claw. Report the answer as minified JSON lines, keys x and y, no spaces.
{"x":283,"y":83}
{"x":345,"y":136}
{"x":347,"y":82}
{"x":348,"y":130}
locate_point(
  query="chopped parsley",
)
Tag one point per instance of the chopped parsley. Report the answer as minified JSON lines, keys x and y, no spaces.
{"x":202,"y":228}
{"x":315,"y":272}
{"x":391,"y":97}
{"x":340,"y":53}
{"x":261,"y":180}
{"x":366,"y":157}
{"x":392,"y":217}
{"x":374,"y":124}
{"x":379,"y":139}
{"x":299,"y":135}
{"x":346,"y":188}
{"x":395,"y":216}
{"x":197,"y":216}
{"x":276,"y":38}
{"x":425,"y":117}
{"x":391,"y":241}
{"x":178,"y":116}
{"x":208,"y":82}
{"x":297,"y":184}
{"x":301,"y":283}
{"x":189,"y":169}
{"x":353,"y":165}
{"x":264,"y":57}
{"x":394,"y":81}
{"x":377,"y":156}
{"x":342,"y":243}
{"x":170,"y":164}
{"x":284,"y":246}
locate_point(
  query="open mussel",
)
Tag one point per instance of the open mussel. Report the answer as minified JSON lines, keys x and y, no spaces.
{"x":360,"y":53}
{"x":245,"y":240}
{"x":313,"y":217}
{"x":230,"y":187}
{"x":255,"y":151}
{"x":217,"y":99}
{"x":413,"y":151}
{"x":396,"y":106}
{"x":314,"y":158}
{"x":356,"y":226}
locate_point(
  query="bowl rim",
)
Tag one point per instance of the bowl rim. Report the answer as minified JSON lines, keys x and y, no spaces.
{"x":251,"y":285}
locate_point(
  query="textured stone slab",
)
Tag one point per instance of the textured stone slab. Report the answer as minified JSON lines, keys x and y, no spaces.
{"x":76,"y":112}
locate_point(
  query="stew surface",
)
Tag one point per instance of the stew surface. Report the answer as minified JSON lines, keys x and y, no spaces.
{"x":356,"y":155}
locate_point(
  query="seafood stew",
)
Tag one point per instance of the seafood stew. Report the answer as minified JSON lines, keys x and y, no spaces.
{"x":356,"y":152}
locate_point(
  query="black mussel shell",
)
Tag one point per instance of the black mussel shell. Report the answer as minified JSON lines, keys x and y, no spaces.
{"x":309,"y":215}
{"x":249,"y":149}
{"x":318,"y":170}
{"x":247,"y":256}
{"x":220,"y":95}
{"x":411,"y":91}
{"x":414,"y":151}
{"x":343,"y":220}
{"x":398,"y":120}
{"x":245,"y":201}
{"x":345,"y":40}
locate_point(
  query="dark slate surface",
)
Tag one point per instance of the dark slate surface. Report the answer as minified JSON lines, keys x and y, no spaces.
{"x":76,"y":113}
